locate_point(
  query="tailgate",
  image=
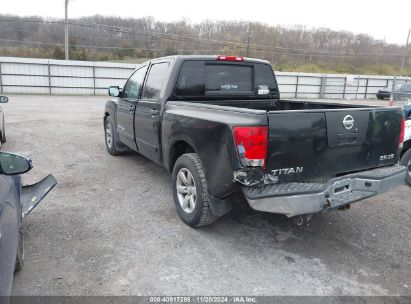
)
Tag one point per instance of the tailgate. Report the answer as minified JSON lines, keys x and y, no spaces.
{"x":316,"y":144}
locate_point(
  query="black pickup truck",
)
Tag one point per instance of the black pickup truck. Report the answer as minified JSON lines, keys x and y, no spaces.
{"x":218,"y":124}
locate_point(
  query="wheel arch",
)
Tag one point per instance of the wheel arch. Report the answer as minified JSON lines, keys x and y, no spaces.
{"x":178,"y":148}
{"x":110,"y":110}
{"x":406,"y":147}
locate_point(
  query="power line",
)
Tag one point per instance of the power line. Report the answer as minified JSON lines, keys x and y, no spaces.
{"x":405,"y":51}
{"x":66,"y":31}
{"x":236,"y":44}
{"x":98,"y":47}
{"x":128,"y":29}
{"x":73,"y":45}
{"x":248,"y":39}
{"x":157,"y":49}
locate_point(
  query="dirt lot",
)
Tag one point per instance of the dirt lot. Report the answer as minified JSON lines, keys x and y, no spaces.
{"x":110,"y":227}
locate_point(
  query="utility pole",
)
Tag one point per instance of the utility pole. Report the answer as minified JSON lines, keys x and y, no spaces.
{"x":66,"y":35}
{"x":405,"y":55}
{"x":248,"y":39}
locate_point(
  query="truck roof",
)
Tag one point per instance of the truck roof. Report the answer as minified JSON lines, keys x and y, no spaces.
{"x":210,"y":57}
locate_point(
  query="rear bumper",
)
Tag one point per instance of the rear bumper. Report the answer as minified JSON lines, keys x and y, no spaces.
{"x":293,"y":199}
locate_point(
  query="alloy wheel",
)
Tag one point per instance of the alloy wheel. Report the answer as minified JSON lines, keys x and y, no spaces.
{"x":186,"y":190}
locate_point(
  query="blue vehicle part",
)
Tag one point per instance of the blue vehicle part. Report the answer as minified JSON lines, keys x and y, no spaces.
{"x":407,"y":110}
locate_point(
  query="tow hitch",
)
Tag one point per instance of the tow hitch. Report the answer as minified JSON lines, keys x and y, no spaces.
{"x":302,"y":219}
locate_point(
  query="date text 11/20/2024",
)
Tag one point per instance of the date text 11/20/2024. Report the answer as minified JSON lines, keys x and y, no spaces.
{"x":205,"y":299}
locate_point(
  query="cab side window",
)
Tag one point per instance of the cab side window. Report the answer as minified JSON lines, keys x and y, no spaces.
{"x":155,"y":81}
{"x":135,"y":83}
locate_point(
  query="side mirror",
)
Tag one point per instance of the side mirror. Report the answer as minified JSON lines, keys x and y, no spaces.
{"x":12,"y":164}
{"x":4,"y":99}
{"x":114,"y":91}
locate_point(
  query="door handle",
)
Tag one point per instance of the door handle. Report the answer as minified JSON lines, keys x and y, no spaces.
{"x":153,"y":112}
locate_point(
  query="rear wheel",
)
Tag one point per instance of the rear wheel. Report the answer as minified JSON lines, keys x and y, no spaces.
{"x":406,"y":161}
{"x":190,"y":191}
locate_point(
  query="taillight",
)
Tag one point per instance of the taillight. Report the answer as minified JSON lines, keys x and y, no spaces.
{"x":230,"y":58}
{"x":251,"y":143}
{"x":402,"y":134}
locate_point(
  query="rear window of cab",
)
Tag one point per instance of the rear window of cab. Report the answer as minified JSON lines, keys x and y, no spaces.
{"x":219,"y":79}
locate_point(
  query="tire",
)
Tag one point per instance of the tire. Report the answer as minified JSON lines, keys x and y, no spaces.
{"x":406,"y":161}
{"x":193,"y":205}
{"x":20,"y":249}
{"x":113,"y":145}
{"x":3,"y":136}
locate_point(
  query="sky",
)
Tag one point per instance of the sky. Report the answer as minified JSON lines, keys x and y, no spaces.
{"x":389,"y":20}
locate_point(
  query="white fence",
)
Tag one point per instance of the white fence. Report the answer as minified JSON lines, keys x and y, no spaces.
{"x":310,"y":85}
{"x":43,"y":76}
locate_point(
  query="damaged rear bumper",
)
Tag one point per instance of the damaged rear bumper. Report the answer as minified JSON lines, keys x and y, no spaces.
{"x":292,"y":199}
{"x":31,"y":195}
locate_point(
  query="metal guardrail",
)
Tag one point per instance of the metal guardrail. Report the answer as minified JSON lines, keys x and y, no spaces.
{"x":25,"y":75}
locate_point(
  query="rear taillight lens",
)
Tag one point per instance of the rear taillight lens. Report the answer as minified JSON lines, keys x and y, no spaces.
{"x":230,"y":58}
{"x":402,"y":134}
{"x":251,"y":143}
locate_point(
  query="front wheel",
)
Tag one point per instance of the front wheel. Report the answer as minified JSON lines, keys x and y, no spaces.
{"x":190,"y":191}
{"x":3,"y":137}
{"x":113,"y":145}
{"x":406,"y":161}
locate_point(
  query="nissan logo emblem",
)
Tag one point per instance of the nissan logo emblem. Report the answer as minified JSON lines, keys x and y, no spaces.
{"x":348,"y":122}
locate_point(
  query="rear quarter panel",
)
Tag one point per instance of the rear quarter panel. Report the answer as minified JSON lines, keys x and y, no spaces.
{"x":208,"y":129}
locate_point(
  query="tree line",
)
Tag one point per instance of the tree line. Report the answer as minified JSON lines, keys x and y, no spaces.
{"x":289,"y":48}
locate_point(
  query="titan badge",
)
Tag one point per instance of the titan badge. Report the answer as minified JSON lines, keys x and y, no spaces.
{"x":287,"y":171}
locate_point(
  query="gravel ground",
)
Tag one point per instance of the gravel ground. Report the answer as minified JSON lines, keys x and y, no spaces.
{"x":110,"y":228}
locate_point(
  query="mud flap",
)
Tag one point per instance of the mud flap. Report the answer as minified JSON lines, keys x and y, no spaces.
{"x":31,"y":195}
